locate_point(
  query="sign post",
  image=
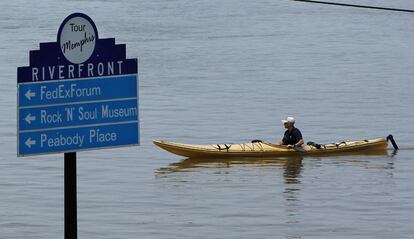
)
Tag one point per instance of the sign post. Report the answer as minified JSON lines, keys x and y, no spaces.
{"x":71,"y":209}
{"x":78,"y":93}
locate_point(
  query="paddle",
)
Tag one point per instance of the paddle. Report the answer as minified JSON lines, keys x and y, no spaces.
{"x":391,"y":138}
{"x":297,"y":149}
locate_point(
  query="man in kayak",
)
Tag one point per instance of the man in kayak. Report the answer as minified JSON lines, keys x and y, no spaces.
{"x":293,"y":137}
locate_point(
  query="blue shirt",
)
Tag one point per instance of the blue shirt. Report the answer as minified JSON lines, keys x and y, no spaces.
{"x":292,"y":137}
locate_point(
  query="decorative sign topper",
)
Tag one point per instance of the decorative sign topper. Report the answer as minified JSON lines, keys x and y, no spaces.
{"x":77,"y":38}
{"x":78,"y":93}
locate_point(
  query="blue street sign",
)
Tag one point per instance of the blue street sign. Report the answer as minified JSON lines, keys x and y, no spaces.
{"x":78,"y":93}
{"x":74,"y":139}
{"x":45,"y":117}
{"x":68,"y":91}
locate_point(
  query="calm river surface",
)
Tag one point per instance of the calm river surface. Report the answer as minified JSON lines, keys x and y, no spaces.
{"x":226,"y":72}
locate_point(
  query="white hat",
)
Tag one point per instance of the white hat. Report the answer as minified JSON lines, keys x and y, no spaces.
{"x":289,"y":120}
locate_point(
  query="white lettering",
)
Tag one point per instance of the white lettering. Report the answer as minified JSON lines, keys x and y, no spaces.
{"x":61,"y":140}
{"x":80,"y":69}
{"x":110,"y":68}
{"x":51,"y":71}
{"x":42,"y":92}
{"x":87,"y":115}
{"x":43,"y":138}
{"x":96,"y":136}
{"x":35,"y":70}
{"x":61,"y":72}
{"x":69,"y":113}
{"x":77,"y":71}
{"x":100,"y":68}
{"x":71,"y":68}
{"x":46,"y":118}
{"x":120,"y":68}
{"x":118,"y":112}
{"x":66,"y":92}
{"x":90,"y":69}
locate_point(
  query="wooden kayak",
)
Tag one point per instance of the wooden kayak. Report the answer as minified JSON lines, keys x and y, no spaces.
{"x":262,"y":149}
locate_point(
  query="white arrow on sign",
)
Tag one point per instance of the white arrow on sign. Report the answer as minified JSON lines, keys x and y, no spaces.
{"x":29,"y":118}
{"x":29,"y":94}
{"x":29,"y":142}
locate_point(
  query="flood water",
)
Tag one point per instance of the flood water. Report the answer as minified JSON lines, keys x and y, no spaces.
{"x":227,"y":72}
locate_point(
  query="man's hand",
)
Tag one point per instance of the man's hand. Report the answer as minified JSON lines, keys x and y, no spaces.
{"x":289,"y":146}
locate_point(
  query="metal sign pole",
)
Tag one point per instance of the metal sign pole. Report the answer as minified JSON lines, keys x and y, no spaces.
{"x":71,"y":220}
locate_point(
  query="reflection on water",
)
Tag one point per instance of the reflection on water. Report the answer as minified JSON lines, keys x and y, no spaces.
{"x":190,"y":164}
{"x":292,"y":170}
{"x":394,"y":153}
{"x":293,"y":194}
{"x":292,"y":165}
{"x":292,"y":177}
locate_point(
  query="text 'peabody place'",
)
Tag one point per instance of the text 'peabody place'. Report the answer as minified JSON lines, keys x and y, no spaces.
{"x":94,"y":136}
